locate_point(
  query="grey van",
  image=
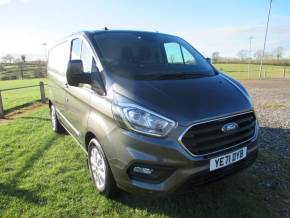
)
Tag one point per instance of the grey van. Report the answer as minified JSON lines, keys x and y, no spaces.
{"x":151,"y":113}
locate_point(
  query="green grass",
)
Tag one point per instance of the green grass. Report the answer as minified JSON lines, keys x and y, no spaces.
{"x":6,"y":84}
{"x":15,"y":99}
{"x":240,"y":71}
{"x":45,"y":175}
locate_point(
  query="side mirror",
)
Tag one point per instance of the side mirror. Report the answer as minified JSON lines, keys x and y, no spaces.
{"x":209,"y":60}
{"x":75,"y":74}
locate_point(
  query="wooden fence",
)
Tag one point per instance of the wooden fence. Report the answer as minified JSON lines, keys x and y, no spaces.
{"x":41,"y":90}
{"x":20,"y":70}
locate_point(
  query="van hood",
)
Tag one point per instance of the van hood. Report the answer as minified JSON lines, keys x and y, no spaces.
{"x":187,"y":100}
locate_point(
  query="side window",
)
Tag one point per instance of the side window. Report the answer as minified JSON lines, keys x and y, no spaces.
{"x":75,"y":49}
{"x":94,"y":66}
{"x":177,"y":54}
{"x":87,"y":58}
{"x":188,"y":58}
{"x":173,"y":53}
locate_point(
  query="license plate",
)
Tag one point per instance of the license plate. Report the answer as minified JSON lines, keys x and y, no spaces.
{"x":227,"y":159}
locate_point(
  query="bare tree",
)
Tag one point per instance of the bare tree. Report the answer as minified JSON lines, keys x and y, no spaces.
{"x":21,"y":65}
{"x":242,"y":54}
{"x":258,"y":54}
{"x":8,"y":58}
{"x":268,"y":56}
{"x":278,"y":52}
{"x":171,"y":58}
{"x":23,"y":58}
{"x":215,"y":56}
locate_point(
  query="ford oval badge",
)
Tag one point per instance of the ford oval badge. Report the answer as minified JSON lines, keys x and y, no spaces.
{"x":228,"y":127}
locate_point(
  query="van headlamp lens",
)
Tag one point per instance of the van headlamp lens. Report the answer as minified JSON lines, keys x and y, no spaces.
{"x":133,"y":117}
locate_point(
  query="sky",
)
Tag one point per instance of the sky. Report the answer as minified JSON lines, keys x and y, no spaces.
{"x":209,"y":25}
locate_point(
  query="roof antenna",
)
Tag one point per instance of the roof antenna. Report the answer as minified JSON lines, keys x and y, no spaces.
{"x":106,"y":28}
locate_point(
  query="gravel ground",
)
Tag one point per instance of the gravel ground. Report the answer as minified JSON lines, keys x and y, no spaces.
{"x":272,"y":105}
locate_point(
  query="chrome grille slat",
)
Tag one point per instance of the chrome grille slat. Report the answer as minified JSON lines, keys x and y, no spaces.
{"x":207,"y":137}
{"x":218,"y":136}
{"x":206,"y":130}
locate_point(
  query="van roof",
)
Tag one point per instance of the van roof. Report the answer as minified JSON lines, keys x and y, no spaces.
{"x":105,"y":30}
{"x":91,"y":32}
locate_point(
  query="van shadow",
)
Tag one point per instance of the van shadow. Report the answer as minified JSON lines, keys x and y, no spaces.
{"x":219,"y":199}
{"x":238,"y":194}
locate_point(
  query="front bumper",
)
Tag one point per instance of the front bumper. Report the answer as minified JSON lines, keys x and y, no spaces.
{"x":124,"y":149}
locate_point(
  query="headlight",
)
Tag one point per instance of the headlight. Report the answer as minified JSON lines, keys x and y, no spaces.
{"x":138,"y":119}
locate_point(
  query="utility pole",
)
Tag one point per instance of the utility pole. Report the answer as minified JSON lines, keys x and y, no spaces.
{"x":250,"y":55}
{"x":45,"y":60}
{"x":261,"y":65}
{"x":45,"y":55}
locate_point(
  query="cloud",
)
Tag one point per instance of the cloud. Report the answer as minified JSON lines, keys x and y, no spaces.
{"x":25,"y":1}
{"x":6,"y":2}
{"x":228,"y":40}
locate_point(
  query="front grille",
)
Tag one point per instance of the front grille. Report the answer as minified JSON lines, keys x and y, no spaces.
{"x":207,"y":137}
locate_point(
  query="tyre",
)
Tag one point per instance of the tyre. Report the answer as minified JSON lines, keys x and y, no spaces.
{"x":55,"y":124}
{"x":100,"y":170}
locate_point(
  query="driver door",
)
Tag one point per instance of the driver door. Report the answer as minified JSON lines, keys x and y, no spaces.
{"x":78,"y":98}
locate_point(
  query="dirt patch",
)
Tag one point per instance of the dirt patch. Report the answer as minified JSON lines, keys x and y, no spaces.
{"x":21,"y":112}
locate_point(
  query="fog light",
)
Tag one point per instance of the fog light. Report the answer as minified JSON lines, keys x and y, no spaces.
{"x":143,"y":170}
{"x":149,"y":173}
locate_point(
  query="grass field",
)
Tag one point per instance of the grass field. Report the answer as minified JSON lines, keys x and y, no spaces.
{"x":15,"y":99}
{"x":240,"y":71}
{"x":45,"y":175}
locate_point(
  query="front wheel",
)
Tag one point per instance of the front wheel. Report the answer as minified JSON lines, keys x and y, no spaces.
{"x":100,"y":170}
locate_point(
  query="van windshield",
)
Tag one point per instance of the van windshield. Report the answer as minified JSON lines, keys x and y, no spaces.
{"x":143,"y":55}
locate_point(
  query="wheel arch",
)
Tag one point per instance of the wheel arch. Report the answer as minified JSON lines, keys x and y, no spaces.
{"x":88,"y":137}
{"x":49,"y":103}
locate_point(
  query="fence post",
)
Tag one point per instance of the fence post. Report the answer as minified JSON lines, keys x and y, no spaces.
{"x":42,"y":92}
{"x":1,"y":107}
{"x":284,"y":73}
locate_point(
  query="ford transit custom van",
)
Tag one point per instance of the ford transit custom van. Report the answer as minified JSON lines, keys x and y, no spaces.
{"x":151,"y":113}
